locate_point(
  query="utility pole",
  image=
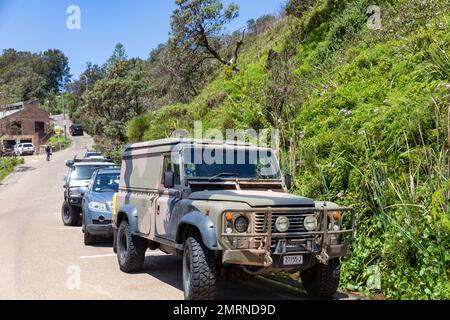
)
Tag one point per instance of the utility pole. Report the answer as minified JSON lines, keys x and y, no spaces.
{"x":64,"y":116}
{"x":2,"y":100}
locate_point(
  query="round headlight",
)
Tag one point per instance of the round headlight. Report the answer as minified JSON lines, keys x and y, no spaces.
{"x":282,"y":224}
{"x":241,"y":224}
{"x":310,"y":223}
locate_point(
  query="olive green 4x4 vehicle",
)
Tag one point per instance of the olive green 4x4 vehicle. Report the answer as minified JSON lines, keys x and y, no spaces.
{"x":224,"y":207}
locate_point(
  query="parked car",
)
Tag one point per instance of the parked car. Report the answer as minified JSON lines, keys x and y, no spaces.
{"x":75,"y":183}
{"x":7,"y":151}
{"x":76,"y":130}
{"x":23,"y":149}
{"x":94,"y":155}
{"x":224,"y":214}
{"x":96,"y":204}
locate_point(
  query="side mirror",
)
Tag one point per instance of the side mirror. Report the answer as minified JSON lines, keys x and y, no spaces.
{"x":69,"y":163}
{"x":169,"y":180}
{"x":81,"y":190}
{"x":288,"y":181}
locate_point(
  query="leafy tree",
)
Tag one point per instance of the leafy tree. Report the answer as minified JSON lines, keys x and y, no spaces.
{"x":119,"y":54}
{"x":24,"y":75}
{"x":55,"y":69}
{"x":187,"y":70}
{"x":198,"y":24}
{"x":137,"y":127}
{"x":114,"y":100}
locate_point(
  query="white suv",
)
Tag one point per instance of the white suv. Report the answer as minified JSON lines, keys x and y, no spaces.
{"x":22,"y":149}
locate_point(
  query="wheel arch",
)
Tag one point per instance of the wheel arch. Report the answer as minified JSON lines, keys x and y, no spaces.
{"x":196,"y":223}
{"x":128,"y":213}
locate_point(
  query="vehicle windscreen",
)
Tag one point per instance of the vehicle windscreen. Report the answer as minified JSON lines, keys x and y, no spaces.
{"x":106,"y":182}
{"x":28,"y":145}
{"x":227,"y":163}
{"x":85,"y":172}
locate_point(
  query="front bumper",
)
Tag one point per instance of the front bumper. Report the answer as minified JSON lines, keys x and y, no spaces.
{"x":100,"y":230}
{"x":272,"y":247}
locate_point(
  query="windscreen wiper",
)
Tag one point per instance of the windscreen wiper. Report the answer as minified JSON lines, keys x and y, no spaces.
{"x":223,"y":174}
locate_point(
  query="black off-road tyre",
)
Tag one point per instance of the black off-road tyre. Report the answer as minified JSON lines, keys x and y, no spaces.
{"x":70,"y":215}
{"x":130,"y":249}
{"x":322,"y":281}
{"x":199,"y":271}
{"x":89,"y":239}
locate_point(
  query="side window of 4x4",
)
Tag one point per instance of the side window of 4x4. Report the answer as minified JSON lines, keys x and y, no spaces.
{"x":170,"y":165}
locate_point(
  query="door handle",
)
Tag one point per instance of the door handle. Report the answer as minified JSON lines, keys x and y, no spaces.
{"x":157,"y":210}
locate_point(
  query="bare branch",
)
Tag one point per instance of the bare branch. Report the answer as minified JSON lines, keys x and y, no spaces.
{"x":239,"y":43}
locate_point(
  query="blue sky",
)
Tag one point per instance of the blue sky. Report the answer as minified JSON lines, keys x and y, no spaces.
{"x":37,"y":25}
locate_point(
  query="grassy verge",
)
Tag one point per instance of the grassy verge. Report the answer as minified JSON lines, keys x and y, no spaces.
{"x":7,"y":166}
{"x":59,"y":142}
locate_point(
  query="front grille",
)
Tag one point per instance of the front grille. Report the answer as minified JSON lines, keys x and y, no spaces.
{"x":104,"y":222}
{"x":295,"y":222}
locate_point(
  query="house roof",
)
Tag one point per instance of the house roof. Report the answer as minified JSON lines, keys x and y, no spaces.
{"x":11,"y":109}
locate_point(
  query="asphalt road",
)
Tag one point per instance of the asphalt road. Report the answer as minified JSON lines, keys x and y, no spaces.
{"x":42,"y":259}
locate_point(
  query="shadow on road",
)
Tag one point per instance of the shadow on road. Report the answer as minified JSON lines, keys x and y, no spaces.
{"x":168,"y":269}
{"x":22,"y":169}
{"x":103,"y":242}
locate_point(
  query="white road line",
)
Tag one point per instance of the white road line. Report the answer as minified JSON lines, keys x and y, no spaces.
{"x":98,"y":256}
{"x":157,"y":254}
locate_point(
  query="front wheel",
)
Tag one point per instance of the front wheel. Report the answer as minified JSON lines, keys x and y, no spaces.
{"x":89,"y":239}
{"x":70,"y":216}
{"x":199,"y":271}
{"x":130,"y":249}
{"x":322,"y":281}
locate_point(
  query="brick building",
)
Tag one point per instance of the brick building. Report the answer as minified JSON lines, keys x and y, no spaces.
{"x":24,"y":122}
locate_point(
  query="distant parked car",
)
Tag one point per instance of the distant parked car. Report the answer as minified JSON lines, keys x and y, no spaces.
{"x":75,"y":183}
{"x":93,"y":155}
{"x":23,"y":149}
{"x":97,"y":205}
{"x":76,"y":130}
{"x":7,"y":151}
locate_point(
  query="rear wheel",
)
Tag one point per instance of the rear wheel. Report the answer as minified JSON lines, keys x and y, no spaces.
{"x":199,"y":271}
{"x":70,"y":215}
{"x":322,"y":281}
{"x":130,"y":249}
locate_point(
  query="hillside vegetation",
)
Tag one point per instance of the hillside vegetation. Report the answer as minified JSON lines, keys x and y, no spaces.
{"x":364,"y":117}
{"x":26,"y":75}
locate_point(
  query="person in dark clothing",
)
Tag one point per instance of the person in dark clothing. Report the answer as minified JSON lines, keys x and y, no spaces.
{"x":48,"y":151}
